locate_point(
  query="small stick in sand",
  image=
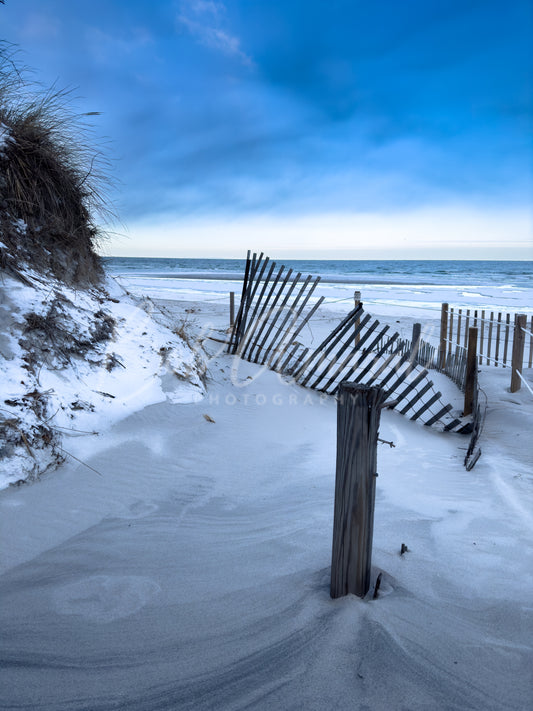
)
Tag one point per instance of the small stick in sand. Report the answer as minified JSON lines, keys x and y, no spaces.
{"x":376,"y":587}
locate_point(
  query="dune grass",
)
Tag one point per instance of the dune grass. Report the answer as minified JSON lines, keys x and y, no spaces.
{"x":52,"y":180}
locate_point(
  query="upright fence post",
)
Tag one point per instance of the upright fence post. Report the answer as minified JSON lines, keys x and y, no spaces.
{"x":471,"y":371}
{"x":357,"y":302}
{"x":415,"y":342}
{"x":443,"y":334}
{"x":358,"y":414}
{"x":517,"y":359}
{"x":231,"y":308}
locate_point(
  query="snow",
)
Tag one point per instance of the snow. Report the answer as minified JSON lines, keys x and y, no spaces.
{"x":188,"y":568}
{"x":5,"y":137}
{"x":46,"y":383}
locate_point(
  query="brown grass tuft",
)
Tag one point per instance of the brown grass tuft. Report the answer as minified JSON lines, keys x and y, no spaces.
{"x":51,"y":181}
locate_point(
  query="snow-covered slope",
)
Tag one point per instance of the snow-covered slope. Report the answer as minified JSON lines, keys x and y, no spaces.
{"x":74,"y":361}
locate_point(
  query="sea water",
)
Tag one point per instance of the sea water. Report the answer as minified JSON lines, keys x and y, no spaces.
{"x":423,"y":272}
{"x":422,"y":284}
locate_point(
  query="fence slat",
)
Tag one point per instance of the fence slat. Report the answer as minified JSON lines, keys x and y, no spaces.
{"x":490,"y":337}
{"x":498,"y":329}
{"x":261,"y":319}
{"x":481,"y":337}
{"x":289,"y":358}
{"x":384,"y":348}
{"x":506,"y":340}
{"x":359,"y":342}
{"x":295,"y":316}
{"x":530,"y":342}
{"x":254,"y":322}
{"x":451,"y":425}
{"x":443,"y":334}
{"x":450,"y":331}
{"x":440,"y":414}
{"x":416,"y":398}
{"x":467,"y":322}
{"x":395,"y":370}
{"x":267,"y":349}
{"x":233,"y":341}
{"x":253,"y":293}
{"x":258,"y":345}
{"x":410,"y":386}
{"x":262,"y":348}
{"x":352,"y":338}
{"x":432,"y":400}
{"x":331,"y":341}
{"x":383,"y":367}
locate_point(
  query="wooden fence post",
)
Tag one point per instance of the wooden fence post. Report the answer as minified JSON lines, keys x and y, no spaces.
{"x":517,"y":359}
{"x":232,"y":308}
{"x":443,"y":334}
{"x":415,"y":342}
{"x":357,"y":302}
{"x":358,"y":413}
{"x":471,"y":371}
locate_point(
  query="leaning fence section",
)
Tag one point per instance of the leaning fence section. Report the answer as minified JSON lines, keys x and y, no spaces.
{"x":276,"y":304}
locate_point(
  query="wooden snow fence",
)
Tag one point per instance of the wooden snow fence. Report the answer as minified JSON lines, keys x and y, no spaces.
{"x":276,"y":305}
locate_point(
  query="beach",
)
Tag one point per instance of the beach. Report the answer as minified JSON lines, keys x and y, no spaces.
{"x":182,"y":561}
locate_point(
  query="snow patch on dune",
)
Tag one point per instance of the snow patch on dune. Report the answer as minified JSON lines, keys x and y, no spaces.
{"x":72,"y":362}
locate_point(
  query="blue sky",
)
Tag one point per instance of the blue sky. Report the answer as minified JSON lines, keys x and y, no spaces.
{"x":398,"y":129}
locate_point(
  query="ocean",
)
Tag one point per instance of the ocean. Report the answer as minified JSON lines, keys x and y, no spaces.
{"x":389,"y":286}
{"x":516,"y":274}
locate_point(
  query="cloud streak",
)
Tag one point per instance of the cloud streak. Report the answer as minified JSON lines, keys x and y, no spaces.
{"x":205,"y":21}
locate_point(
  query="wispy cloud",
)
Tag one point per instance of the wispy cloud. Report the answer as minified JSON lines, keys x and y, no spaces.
{"x":206,"y":21}
{"x":105,"y":46}
{"x":39,"y":26}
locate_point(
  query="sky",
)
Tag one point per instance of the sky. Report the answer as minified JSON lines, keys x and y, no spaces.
{"x":394,"y":129}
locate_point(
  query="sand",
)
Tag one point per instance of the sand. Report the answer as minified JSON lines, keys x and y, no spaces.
{"x":192,"y":572}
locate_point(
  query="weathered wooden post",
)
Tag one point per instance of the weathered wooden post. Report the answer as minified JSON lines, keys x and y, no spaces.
{"x":471,"y":371}
{"x":517,"y":358}
{"x":415,"y":342}
{"x":358,"y":413}
{"x":232,"y":308}
{"x":443,"y":334}
{"x":357,"y":302}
